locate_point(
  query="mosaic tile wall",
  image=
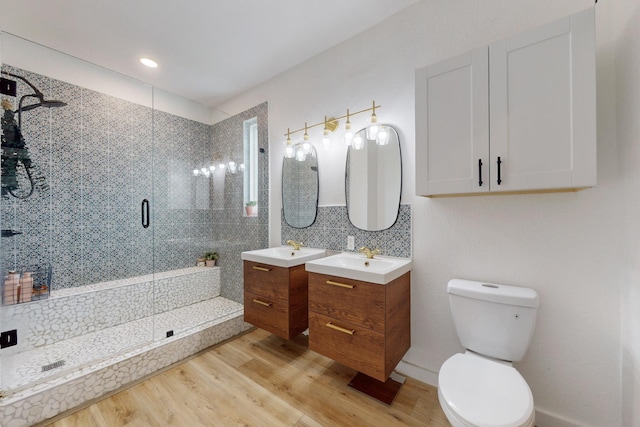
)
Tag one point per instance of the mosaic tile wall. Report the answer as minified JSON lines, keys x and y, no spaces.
{"x":234,"y":231}
{"x":95,"y":154}
{"x":101,"y":156}
{"x":332,"y":226}
{"x":72,"y":312}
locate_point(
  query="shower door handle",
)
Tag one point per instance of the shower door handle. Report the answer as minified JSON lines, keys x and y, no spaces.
{"x":145,"y":213}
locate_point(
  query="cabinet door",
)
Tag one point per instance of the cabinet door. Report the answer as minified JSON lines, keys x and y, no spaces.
{"x":543,"y":110}
{"x":452,"y":125}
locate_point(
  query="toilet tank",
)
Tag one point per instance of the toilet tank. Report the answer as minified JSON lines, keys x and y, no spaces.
{"x":493,"y":320}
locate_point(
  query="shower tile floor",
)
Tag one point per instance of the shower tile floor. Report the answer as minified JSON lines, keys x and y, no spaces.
{"x":26,"y":368}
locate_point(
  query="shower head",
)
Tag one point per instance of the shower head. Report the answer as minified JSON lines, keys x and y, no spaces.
{"x":37,"y":94}
{"x":49,"y":103}
{"x":44,"y":103}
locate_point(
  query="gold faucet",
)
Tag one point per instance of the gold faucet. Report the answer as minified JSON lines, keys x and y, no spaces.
{"x":368,"y":252}
{"x":296,"y":245}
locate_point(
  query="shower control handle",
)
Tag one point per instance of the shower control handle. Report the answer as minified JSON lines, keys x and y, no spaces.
{"x":145,"y":213}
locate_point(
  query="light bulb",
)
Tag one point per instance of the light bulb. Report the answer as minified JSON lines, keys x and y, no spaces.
{"x":222,"y":166}
{"x":372,"y":129}
{"x":348,"y":137}
{"x":306,"y":147}
{"x":241,"y":166}
{"x":326,"y":141}
{"x":358,"y":142}
{"x":212,"y":168}
{"x":383,"y":136}
{"x":289,"y":152}
{"x":300,"y":155}
{"x":232,"y":167}
{"x":196,"y":172}
{"x":204,"y":170}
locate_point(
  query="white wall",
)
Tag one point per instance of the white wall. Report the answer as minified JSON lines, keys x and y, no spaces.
{"x":566,"y":246}
{"x":627,"y":19}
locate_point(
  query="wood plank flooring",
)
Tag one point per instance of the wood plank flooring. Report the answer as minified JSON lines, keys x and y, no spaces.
{"x":258,"y":379}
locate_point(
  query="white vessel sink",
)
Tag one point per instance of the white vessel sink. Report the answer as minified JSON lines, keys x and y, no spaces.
{"x":380,"y":270}
{"x":283,"y":256}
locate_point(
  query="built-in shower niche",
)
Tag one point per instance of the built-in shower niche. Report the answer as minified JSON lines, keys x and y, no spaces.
{"x":25,"y":285}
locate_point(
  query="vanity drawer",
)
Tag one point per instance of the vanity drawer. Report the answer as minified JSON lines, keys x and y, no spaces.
{"x":269,"y":314}
{"x":359,"y":348}
{"x":266,"y":280}
{"x":352,"y":301}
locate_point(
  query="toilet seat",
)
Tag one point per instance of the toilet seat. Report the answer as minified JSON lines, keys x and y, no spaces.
{"x":481,"y":392}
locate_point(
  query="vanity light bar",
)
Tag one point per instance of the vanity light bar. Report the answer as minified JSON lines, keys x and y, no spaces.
{"x":332,"y":122}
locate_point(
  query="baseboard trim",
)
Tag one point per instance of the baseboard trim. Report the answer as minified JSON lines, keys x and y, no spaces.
{"x":549,"y":419}
{"x":419,"y":373}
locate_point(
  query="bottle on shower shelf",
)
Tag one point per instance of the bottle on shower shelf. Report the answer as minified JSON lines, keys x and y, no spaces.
{"x":26,"y":286}
{"x":11,"y":288}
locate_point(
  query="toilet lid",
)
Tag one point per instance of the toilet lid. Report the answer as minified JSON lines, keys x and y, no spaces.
{"x":484,"y":392}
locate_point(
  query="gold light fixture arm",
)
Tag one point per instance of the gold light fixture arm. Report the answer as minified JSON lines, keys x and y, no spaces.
{"x":288,"y":137}
{"x":332,"y":123}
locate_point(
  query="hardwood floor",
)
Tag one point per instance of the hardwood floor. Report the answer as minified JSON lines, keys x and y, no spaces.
{"x":258,"y":379}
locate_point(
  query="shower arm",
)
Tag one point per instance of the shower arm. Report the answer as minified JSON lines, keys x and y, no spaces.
{"x":20,"y":109}
{"x":37,"y":94}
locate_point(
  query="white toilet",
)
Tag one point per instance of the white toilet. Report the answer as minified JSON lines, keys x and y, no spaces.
{"x":495,"y":324}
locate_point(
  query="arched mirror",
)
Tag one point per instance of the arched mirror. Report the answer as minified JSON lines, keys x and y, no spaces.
{"x":373,"y":181}
{"x":300,"y":185}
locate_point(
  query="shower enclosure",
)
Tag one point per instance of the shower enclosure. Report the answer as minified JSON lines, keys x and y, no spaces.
{"x":103,"y":216}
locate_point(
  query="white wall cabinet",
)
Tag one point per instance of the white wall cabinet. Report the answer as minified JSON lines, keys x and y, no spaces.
{"x":516,"y":116}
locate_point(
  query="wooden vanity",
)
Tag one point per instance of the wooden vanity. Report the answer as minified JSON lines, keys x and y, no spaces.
{"x":365,"y":326}
{"x":275,"y":298}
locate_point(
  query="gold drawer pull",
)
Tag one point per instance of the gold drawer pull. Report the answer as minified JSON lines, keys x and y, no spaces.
{"x":261,"y":268}
{"x":342,"y":285}
{"x":266,"y":304}
{"x":343,"y":330}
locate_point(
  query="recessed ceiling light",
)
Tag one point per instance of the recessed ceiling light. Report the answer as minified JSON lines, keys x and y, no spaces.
{"x":149,"y":62}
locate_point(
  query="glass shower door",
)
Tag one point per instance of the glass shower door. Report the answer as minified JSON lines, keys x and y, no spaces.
{"x":75,"y":256}
{"x":183,"y":215}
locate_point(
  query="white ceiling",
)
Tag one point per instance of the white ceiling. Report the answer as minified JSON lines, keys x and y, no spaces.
{"x":208,"y":50}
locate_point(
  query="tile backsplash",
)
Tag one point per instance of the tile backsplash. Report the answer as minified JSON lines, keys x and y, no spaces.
{"x":332,"y":227}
